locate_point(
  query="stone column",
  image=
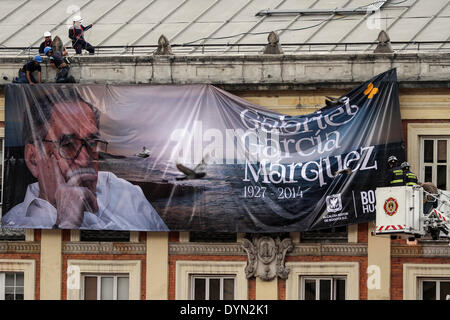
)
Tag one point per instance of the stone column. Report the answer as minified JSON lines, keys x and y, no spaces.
{"x":266,"y":290}
{"x":157,"y":270}
{"x":51,"y":265}
{"x":379,"y":266}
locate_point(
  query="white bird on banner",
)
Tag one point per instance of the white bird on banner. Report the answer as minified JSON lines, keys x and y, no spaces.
{"x":197,"y":173}
{"x":145,"y":153}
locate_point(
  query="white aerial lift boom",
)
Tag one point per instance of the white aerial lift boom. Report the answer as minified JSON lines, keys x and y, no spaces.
{"x":412,"y":212}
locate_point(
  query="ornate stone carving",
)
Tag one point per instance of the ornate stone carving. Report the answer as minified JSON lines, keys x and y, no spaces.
{"x":274,"y":46}
{"x":384,"y":43}
{"x":164,"y":47}
{"x":266,"y":257}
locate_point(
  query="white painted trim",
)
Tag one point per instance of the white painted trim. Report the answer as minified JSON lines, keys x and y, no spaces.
{"x":28,"y":267}
{"x":2,"y":286}
{"x":295,"y":236}
{"x":240,"y":236}
{"x":134,"y":236}
{"x":415,"y":131}
{"x":352,"y":233}
{"x":29,"y":235}
{"x":184,"y":236}
{"x":348,"y":269}
{"x":131,"y":267}
{"x":75,"y":235}
{"x":184,"y":270}
{"x":412,"y":273}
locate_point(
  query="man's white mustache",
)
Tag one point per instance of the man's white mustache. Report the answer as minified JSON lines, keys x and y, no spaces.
{"x":80,"y":171}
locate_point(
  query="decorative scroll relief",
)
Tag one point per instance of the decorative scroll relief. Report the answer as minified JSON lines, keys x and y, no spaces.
{"x":266,"y":257}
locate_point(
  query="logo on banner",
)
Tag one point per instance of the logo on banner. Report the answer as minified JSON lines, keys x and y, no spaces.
{"x":334,"y":203}
{"x":390,"y":206}
{"x":370,"y":91}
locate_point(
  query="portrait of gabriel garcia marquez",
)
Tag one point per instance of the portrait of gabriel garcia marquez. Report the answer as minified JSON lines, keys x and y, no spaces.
{"x":61,"y":150}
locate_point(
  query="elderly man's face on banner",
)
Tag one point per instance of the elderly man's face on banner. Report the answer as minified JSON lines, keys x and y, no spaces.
{"x":70,"y":150}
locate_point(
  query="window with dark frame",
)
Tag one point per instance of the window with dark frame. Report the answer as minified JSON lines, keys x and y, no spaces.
{"x":323,"y":288}
{"x":7,"y":234}
{"x":105,"y":287}
{"x":435,"y":168}
{"x":218,"y":237}
{"x":334,"y":234}
{"x":2,"y":168}
{"x":435,"y":161}
{"x":12,"y":234}
{"x":11,"y":285}
{"x":434,"y":289}
{"x":212,"y":287}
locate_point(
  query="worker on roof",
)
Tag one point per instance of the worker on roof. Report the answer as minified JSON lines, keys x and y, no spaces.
{"x":48,"y":42}
{"x":395,"y":176}
{"x":76,"y":33}
{"x":58,"y":62}
{"x":26,"y":72}
{"x":409,"y":178}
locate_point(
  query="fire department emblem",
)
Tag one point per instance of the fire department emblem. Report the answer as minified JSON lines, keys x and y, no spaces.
{"x":390,"y":206}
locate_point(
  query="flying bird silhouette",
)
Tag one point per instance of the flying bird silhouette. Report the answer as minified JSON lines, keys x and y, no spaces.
{"x":189,"y":174}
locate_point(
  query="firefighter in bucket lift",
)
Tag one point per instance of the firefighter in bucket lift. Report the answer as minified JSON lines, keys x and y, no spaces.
{"x":409,"y":178}
{"x":395,"y":176}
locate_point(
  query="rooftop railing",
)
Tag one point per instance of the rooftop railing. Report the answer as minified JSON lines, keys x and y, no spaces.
{"x":248,"y":48}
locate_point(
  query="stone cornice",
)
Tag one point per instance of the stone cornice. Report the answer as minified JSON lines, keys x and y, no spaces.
{"x":422,"y":251}
{"x":251,"y":72}
{"x":19,"y":247}
{"x":103,"y":248}
{"x":332,"y":249}
{"x":214,"y":249}
{"x":235,"y":249}
{"x":323,"y":56}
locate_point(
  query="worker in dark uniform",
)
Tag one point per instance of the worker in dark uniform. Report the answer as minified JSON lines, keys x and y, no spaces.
{"x":409,"y":178}
{"x":76,"y":33}
{"x":48,"y":42}
{"x":61,"y":64}
{"x":395,"y":174}
{"x":429,"y":202}
{"x":26,"y":72}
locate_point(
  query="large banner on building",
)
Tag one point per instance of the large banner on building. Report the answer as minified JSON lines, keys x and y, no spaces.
{"x":193,"y":158}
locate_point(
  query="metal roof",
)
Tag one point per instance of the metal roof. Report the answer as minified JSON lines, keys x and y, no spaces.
{"x":227,"y":27}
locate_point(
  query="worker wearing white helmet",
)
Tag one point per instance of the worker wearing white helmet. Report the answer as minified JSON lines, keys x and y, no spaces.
{"x":76,"y":33}
{"x":394,"y":176}
{"x":46,"y":43}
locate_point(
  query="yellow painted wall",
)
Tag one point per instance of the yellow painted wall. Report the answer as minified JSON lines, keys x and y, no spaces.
{"x":414,"y":103}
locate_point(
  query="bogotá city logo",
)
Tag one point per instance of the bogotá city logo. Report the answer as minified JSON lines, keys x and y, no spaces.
{"x":390,"y":206}
{"x":370,"y":91}
{"x":334,"y":203}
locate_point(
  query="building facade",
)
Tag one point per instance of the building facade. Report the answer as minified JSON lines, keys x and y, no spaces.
{"x":348,"y":263}
{"x":342,"y":263}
